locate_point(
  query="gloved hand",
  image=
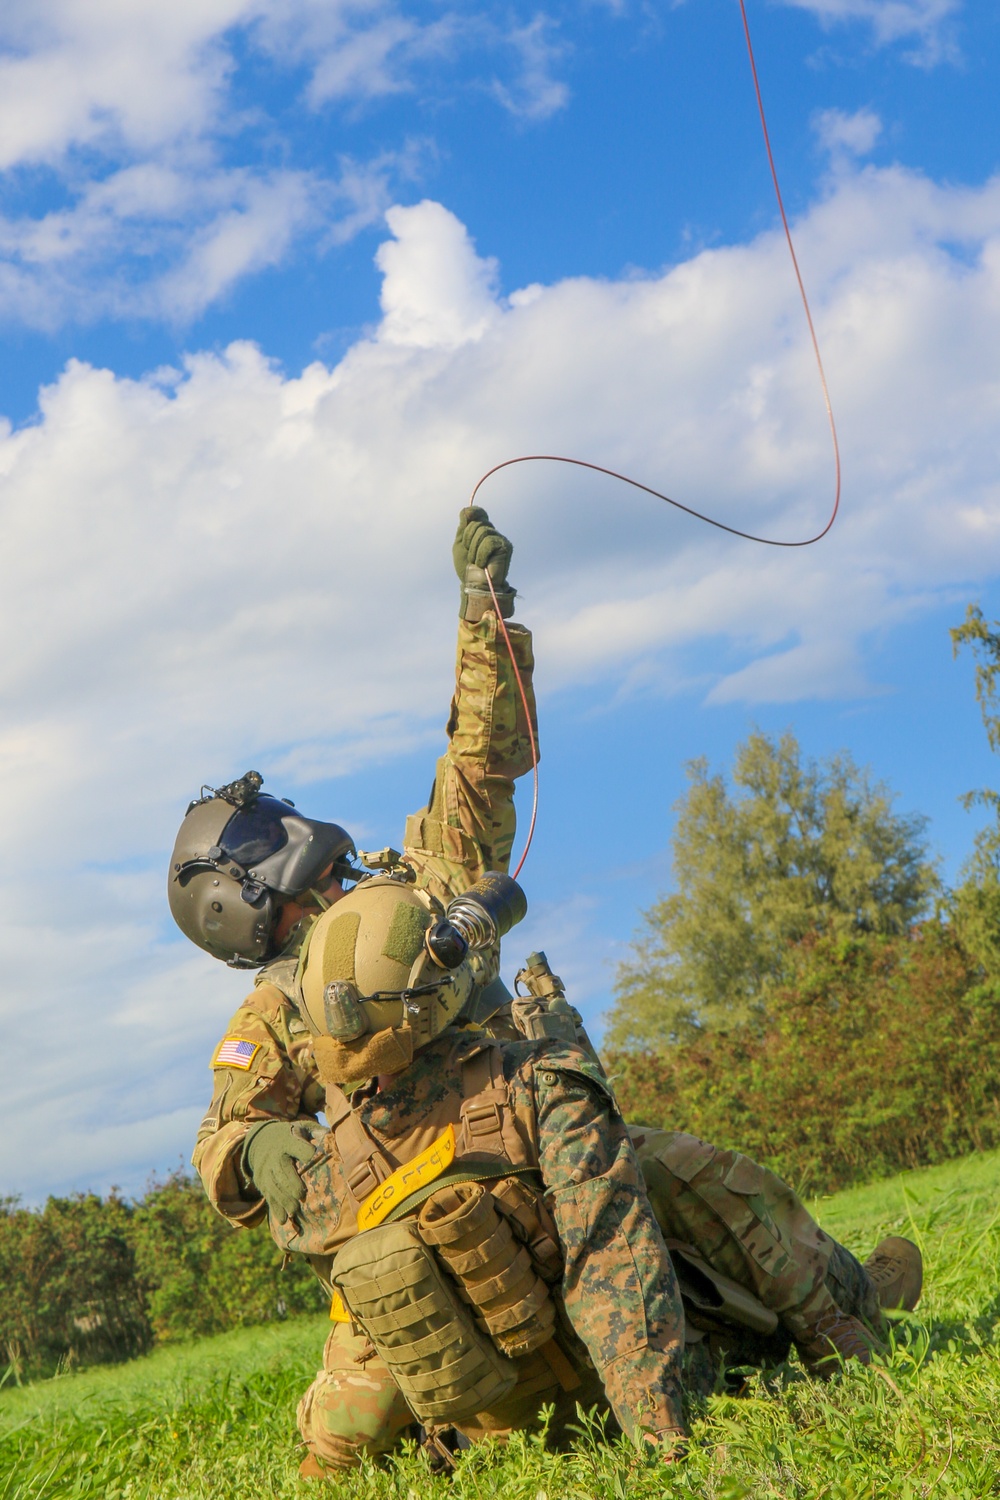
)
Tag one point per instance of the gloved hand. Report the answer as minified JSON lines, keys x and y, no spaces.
{"x":480,"y":549}
{"x":270,"y":1151}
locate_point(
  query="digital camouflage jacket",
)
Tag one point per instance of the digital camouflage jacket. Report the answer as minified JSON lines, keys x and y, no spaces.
{"x":583,"y":1213}
{"x":466,"y":829}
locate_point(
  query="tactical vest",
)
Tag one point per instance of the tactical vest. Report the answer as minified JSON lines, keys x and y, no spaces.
{"x":446,"y":1253}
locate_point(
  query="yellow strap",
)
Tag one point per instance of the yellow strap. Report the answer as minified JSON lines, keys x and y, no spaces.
{"x":338,"y":1310}
{"x":406,"y":1179}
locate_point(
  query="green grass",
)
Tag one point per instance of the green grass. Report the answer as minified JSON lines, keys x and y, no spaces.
{"x":216,"y":1419}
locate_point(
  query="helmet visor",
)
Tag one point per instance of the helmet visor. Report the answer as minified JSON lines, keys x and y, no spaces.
{"x":279,"y":847}
{"x":254,"y":833}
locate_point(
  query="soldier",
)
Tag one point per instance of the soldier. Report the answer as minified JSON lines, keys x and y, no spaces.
{"x":250,"y":878}
{"x":515,"y":1175}
{"x":508,"y":1166}
{"x":249,"y":874}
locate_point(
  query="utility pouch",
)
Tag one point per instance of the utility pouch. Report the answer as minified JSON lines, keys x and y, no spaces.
{"x":494,"y":1272}
{"x":712,"y":1300}
{"x":444,"y":1365}
{"x":537,"y":1019}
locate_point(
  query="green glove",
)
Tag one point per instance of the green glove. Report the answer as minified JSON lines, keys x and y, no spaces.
{"x":480,"y":549}
{"x":270,"y":1151}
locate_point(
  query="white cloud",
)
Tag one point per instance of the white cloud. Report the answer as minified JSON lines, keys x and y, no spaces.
{"x":105,"y":75}
{"x":845,"y":134}
{"x":927,"y":23}
{"x":127,"y":120}
{"x":223,"y":567}
{"x":436,"y":293}
{"x":535,"y":93}
{"x":157,"y":241}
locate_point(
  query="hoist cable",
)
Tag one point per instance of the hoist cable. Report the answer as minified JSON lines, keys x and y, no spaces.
{"x":581,"y":463}
{"x":527,"y":718}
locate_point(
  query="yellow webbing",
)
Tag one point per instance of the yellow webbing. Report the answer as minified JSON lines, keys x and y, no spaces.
{"x":407,"y":1179}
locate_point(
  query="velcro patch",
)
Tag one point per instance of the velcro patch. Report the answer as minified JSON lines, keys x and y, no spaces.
{"x":235,"y":1052}
{"x":405,"y":937}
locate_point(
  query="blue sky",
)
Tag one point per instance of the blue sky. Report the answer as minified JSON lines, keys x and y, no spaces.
{"x":279,"y":280}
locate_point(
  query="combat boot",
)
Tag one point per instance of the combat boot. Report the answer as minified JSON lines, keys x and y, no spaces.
{"x":834,"y":1336}
{"x":896,"y":1270}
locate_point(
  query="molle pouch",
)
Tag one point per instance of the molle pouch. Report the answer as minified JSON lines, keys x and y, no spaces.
{"x":494,"y":1272}
{"x":537,"y":1019}
{"x":444,"y":1365}
{"x":532,"y":1224}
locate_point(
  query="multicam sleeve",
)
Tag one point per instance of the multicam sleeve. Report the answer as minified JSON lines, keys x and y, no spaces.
{"x":263,"y":1069}
{"x":468,"y":824}
{"x":619,"y":1287}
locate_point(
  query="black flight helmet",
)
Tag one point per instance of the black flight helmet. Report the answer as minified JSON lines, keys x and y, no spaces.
{"x":239,"y":854}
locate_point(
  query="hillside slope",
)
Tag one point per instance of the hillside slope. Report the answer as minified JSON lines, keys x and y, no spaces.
{"x":216,"y":1419}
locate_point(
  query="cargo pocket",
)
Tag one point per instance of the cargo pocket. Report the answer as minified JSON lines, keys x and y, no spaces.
{"x":752,"y":1221}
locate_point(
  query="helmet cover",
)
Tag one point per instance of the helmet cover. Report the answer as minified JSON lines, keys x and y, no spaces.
{"x":371,"y":947}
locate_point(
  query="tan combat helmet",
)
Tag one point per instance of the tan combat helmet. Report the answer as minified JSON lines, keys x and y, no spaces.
{"x":386,"y":970}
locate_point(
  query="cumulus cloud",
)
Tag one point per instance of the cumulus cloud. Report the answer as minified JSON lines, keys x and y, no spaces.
{"x":221,"y":566}
{"x":156,"y":200}
{"x":436,"y":292}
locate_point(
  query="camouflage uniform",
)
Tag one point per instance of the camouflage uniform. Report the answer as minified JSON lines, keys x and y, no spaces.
{"x":623,"y":1340}
{"x":749,"y":1225}
{"x":588,"y":1226}
{"x":466,"y":829}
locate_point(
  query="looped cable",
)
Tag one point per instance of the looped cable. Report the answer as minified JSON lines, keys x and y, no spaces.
{"x":581,"y":463}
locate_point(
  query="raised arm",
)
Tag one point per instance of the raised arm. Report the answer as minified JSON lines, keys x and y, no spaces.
{"x":468,"y":824}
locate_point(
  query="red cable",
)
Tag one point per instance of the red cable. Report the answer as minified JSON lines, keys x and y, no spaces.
{"x":581,"y":463}
{"x":527,"y":715}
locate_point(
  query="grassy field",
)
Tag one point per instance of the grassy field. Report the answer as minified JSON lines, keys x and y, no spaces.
{"x":216,"y":1419}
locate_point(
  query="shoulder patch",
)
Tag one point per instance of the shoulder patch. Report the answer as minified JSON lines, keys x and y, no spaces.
{"x":235,"y":1052}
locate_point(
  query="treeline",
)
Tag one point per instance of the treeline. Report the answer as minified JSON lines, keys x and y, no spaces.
{"x":86,"y":1279}
{"x":809,"y":991}
{"x":878,"y":1054}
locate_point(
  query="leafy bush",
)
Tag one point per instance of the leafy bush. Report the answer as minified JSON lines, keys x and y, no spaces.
{"x":68,"y":1289}
{"x":87,"y":1280}
{"x":881,"y":1053}
{"x":202,"y":1276}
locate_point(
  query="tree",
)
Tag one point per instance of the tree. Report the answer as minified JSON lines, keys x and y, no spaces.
{"x":797,"y":848}
{"x":878,"y":1054}
{"x":975,"y":903}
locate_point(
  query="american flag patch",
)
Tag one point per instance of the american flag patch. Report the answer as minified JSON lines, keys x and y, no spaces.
{"x":235,"y":1052}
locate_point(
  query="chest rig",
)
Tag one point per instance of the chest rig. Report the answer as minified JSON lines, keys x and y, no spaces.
{"x":454,"y":1285}
{"x":491,"y":1146}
